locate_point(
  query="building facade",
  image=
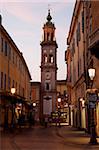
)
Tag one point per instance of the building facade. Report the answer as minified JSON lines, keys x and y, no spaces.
{"x":62,"y":101}
{"x":36,"y":99}
{"x":83,"y":41}
{"x":75,"y":59}
{"x":14,"y":73}
{"x":92,"y":44}
{"x":48,"y":68}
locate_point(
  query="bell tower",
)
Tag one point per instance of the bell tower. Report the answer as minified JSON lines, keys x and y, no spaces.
{"x":48,"y":68}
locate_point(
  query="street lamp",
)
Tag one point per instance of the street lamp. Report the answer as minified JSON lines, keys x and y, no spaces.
{"x":59,"y":99}
{"x":12,"y":92}
{"x":59,"y":111}
{"x":92,"y":102}
{"x":34,"y":104}
{"x":91,"y":72}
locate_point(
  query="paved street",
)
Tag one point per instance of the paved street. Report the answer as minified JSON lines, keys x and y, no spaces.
{"x":51,"y":138}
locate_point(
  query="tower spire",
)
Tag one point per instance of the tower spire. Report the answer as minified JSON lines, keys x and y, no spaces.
{"x":49,"y":18}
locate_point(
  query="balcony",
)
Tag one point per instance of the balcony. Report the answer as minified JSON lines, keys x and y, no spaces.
{"x":94,"y":43}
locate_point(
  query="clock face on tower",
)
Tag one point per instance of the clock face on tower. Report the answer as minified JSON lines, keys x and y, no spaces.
{"x":47,"y":75}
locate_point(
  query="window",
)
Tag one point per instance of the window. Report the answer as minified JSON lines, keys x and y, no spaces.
{"x":16,"y":60}
{"x":77,"y":37}
{"x":16,"y":87}
{"x":73,"y":47}
{"x":9,"y":82}
{"x":47,"y":86}
{"x":13,"y":83}
{"x":2,"y":44}
{"x":45,"y":58}
{"x":83,"y":21}
{"x":13,"y":57}
{"x":52,"y":36}
{"x":5,"y":81}
{"x":79,"y":31}
{"x":51,"y":59}
{"x":19,"y":63}
{"x":48,"y":36}
{"x":1,"y":80}
{"x":90,"y":25}
{"x":9,"y":52}
{"x":5,"y":48}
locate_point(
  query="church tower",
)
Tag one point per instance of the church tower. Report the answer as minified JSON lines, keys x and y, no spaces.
{"x":48,"y":68}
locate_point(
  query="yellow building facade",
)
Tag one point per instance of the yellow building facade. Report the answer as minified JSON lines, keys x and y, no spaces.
{"x":13,"y":73}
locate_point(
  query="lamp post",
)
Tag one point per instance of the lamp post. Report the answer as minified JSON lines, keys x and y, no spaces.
{"x":92,"y":104}
{"x":12,"y":92}
{"x":34,"y":106}
{"x":59,"y":110}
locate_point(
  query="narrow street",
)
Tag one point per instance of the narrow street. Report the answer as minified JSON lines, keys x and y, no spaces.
{"x":51,"y":138}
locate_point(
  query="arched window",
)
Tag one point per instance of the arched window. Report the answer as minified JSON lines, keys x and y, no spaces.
{"x":52,"y":35}
{"x":45,"y":58}
{"x":51,"y":58}
{"x":47,"y":86}
{"x":48,"y":36}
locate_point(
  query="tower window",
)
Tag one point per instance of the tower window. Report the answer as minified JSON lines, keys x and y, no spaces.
{"x":51,"y":59}
{"x":47,"y":86}
{"x":51,"y":36}
{"x":45,"y":58}
{"x":48,"y":36}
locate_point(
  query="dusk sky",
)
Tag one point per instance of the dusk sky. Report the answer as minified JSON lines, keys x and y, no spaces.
{"x":24,"y":19}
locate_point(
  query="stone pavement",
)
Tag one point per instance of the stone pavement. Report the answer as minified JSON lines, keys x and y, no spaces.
{"x":77,"y":138}
{"x":70,"y":138}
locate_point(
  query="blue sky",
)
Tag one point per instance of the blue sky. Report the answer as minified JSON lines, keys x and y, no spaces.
{"x":24,"y":19}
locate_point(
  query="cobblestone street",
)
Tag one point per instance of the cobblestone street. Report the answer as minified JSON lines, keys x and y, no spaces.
{"x":51,"y":138}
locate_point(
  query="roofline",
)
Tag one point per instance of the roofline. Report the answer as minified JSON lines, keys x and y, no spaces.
{"x":60,"y":81}
{"x":74,"y":17}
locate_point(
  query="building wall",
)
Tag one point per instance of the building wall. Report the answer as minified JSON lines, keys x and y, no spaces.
{"x":36,"y":98}
{"x":76,"y":46}
{"x":12,"y":65}
{"x":83,"y":56}
{"x":13,"y":73}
